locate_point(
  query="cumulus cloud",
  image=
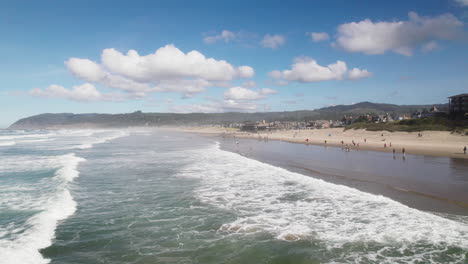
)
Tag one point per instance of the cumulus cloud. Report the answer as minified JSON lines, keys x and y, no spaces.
{"x":168,"y":69}
{"x":356,"y":74}
{"x":307,"y":70}
{"x":90,"y":71}
{"x":241,"y":93}
{"x":225,"y":36}
{"x":169,"y":62}
{"x":273,"y":41}
{"x":235,"y":99}
{"x":84,"y":92}
{"x":401,"y":37}
{"x":319,"y":36}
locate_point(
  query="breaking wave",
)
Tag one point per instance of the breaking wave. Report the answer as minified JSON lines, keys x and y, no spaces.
{"x":293,"y":207}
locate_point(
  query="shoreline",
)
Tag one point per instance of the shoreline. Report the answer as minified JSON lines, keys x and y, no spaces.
{"x":428,"y":184}
{"x":431,"y":143}
{"x":435,"y":183}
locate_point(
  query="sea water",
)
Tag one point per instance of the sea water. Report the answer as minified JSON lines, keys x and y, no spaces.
{"x":141,"y":196}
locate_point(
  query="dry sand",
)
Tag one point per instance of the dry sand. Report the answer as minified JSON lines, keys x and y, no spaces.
{"x":433,"y":143}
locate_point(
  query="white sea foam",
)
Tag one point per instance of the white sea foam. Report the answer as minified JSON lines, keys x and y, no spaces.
{"x":36,"y":140}
{"x":89,"y":143}
{"x":10,"y":137}
{"x":24,"y":242}
{"x":292,"y":207}
{"x":7,"y":143}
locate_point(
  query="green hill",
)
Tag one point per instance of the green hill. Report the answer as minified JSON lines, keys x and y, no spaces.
{"x":68,"y":120}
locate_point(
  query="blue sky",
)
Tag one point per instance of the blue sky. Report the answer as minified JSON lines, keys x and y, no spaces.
{"x":214,"y":56}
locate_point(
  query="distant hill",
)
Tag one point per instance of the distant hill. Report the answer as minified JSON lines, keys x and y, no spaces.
{"x":68,"y":120}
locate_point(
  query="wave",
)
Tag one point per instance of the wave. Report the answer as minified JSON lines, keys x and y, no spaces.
{"x":293,"y":207}
{"x":10,"y":137}
{"x":7,"y":143}
{"x":38,"y":232}
{"x":101,"y":140}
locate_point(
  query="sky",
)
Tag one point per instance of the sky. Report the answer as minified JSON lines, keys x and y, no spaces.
{"x":219,"y":56}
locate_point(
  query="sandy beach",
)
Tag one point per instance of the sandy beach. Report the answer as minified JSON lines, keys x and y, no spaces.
{"x":431,"y":143}
{"x":430,"y":177}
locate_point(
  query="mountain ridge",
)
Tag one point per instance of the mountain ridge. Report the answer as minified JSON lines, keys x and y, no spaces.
{"x":138,"y":118}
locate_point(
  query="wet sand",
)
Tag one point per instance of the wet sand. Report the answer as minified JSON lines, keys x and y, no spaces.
{"x":431,"y":143}
{"x":436,"y":184}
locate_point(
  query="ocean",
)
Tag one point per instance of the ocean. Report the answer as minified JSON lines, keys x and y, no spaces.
{"x":150,"y":196}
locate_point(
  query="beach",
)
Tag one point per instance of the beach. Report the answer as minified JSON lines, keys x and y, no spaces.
{"x":428,"y":177}
{"x":154,"y":196}
{"x":430,"y":143}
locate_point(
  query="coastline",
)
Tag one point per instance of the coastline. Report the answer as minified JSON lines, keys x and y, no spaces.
{"x":431,"y":143}
{"x":434,"y":183}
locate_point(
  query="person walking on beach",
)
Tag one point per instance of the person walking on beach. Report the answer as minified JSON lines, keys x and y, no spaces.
{"x":403,"y":150}
{"x":464,"y":150}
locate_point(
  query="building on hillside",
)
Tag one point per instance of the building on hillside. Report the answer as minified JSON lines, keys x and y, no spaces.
{"x":458,"y":106}
{"x":249,"y":127}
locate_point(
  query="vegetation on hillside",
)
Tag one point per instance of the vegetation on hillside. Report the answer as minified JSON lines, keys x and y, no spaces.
{"x":139,"y":118}
{"x":415,"y":125}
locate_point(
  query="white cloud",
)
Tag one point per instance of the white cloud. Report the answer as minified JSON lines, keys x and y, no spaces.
{"x":273,"y":41}
{"x":169,"y":62}
{"x":167,"y":70}
{"x":90,"y":71}
{"x":401,"y":37}
{"x":462,"y":2}
{"x":85,"y":69}
{"x":267,"y":91}
{"x":241,"y":93}
{"x":235,"y":99}
{"x":245,"y":72}
{"x":306,"y":70}
{"x":356,"y":74}
{"x":84,"y":92}
{"x":319,"y":36}
{"x":225,"y":36}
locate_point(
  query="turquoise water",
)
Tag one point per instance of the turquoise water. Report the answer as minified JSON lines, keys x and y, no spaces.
{"x":158,"y":197}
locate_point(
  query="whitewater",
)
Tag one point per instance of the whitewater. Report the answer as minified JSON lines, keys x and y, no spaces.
{"x":143,"y":196}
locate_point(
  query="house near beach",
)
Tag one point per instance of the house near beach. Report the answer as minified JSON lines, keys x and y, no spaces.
{"x":458,"y":106}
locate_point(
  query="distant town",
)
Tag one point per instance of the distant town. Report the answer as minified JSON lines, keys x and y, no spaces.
{"x":457,"y":110}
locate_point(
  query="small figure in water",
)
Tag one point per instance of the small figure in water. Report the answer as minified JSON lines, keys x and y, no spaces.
{"x":403,"y":150}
